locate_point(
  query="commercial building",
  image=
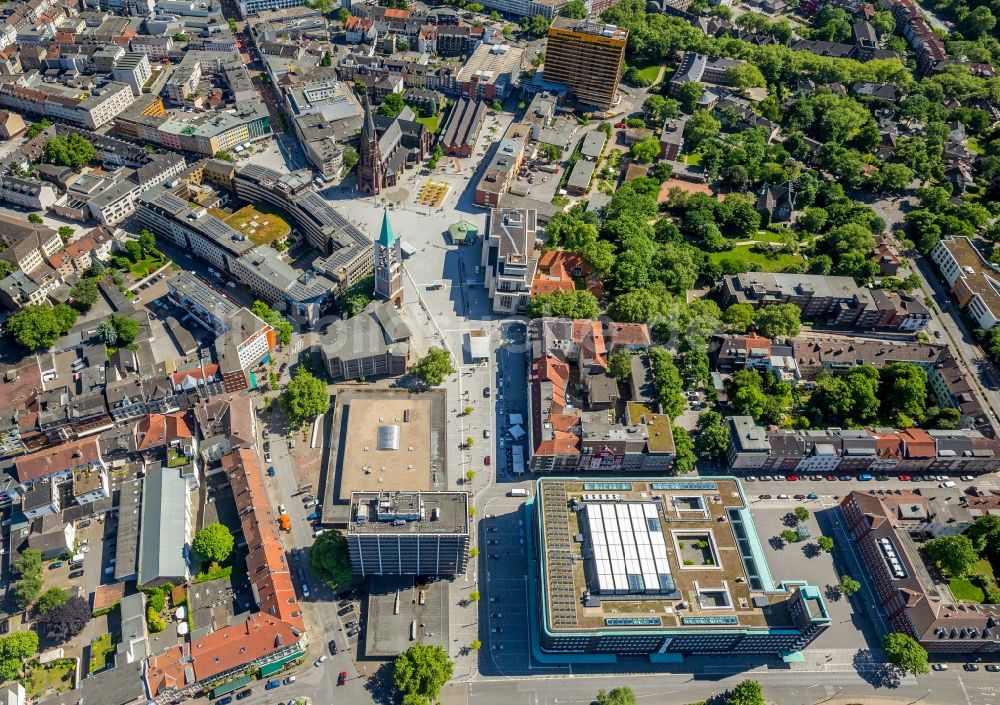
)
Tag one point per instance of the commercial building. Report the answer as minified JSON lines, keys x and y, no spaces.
{"x":753,"y":448}
{"x":972,"y":279}
{"x":273,"y":280}
{"x":491,"y":72}
{"x":588,"y":57}
{"x":166,"y":528}
{"x":242,"y":339}
{"x":508,"y":258}
{"x":59,"y":463}
{"x":373,"y":343}
{"x":346,"y":252}
{"x":252,"y":7}
{"x":134,"y":69}
{"x":408,"y":533}
{"x":883,"y":526}
{"x":661,"y":569}
{"x":412,"y":459}
{"x":576,"y":416}
{"x":698,"y":68}
{"x":503,"y":166}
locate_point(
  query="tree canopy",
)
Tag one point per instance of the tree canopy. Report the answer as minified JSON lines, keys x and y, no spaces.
{"x":304,"y":398}
{"x":74,"y":151}
{"x":37,"y":327}
{"x":621,"y":695}
{"x":575,"y":303}
{"x":421,"y":671}
{"x":329,"y":560}
{"x":746,"y":692}
{"x":64,"y":622}
{"x":906,"y":653}
{"x":282,"y":327}
{"x":433,"y":367}
{"x":955,"y":555}
{"x":213,"y":543}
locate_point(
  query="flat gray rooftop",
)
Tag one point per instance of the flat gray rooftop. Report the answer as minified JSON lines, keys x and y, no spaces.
{"x":388,"y":634}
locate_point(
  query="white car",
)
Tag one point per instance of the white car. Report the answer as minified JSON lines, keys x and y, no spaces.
{"x":267,"y":458}
{"x":281,"y":509}
{"x":319,"y":662}
{"x":939,"y":666}
{"x":231,"y":285}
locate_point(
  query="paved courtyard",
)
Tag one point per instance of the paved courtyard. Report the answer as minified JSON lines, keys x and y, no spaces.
{"x":803,"y":560}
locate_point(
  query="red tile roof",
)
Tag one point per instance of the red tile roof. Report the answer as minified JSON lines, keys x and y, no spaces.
{"x":917,"y":444}
{"x":267,"y":566}
{"x":157,"y":430}
{"x":49,"y":461}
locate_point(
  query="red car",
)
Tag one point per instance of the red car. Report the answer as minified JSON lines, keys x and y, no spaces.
{"x":904,"y":478}
{"x":831,"y":478}
{"x":619,"y":125}
{"x":342,"y":678}
{"x":486,"y":460}
{"x":792,"y":478}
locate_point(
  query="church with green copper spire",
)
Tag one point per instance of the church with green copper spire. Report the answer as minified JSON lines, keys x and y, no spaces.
{"x":388,"y":264}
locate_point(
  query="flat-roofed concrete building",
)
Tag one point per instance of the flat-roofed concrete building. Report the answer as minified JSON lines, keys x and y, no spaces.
{"x":662,"y":569}
{"x":508,"y":258}
{"x":973,"y":282}
{"x":588,"y":57}
{"x":408,"y":533}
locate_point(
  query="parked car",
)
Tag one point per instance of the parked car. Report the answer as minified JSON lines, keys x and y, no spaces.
{"x":354,"y":632}
{"x":57,"y":564}
{"x":831,"y":478}
{"x":244,"y":694}
{"x":333,"y":647}
{"x":865,"y":478}
{"x":4,"y":626}
{"x":487,"y":461}
{"x":267,"y":445}
{"x":319,"y":662}
{"x":486,"y":392}
{"x":486,"y":433}
{"x":940,"y":666}
{"x":267,"y":458}
{"x":281,"y":509}
{"x":288,"y":680}
{"x":313,"y":517}
{"x":812,"y":495}
{"x":342,"y":678}
{"x":751,"y":478}
{"x":271,"y":472}
{"x":792,"y":478}
{"x":971,"y":667}
{"x":224,"y":701}
{"x":271,"y":685}
{"x":904,"y":478}
{"x":993,"y":667}
{"x":76,"y":574}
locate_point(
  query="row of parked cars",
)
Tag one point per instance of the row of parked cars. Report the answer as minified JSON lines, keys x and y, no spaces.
{"x":864,"y":477}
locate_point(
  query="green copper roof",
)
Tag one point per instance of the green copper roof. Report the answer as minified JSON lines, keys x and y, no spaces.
{"x":386,"y":237}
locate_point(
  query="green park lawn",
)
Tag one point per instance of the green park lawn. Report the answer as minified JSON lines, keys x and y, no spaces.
{"x":964,"y":590}
{"x":432,"y":123}
{"x":649,"y":73}
{"x":768,"y":236}
{"x":694,"y":159}
{"x":742,"y":253}
{"x":973,"y":144}
{"x":145,"y":266}
{"x":41,"y":679}
{"x":100,"y":648}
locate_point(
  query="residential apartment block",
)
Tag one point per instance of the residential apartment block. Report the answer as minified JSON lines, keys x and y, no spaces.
{"x":753,"y":448}
{"x":578,"y":417}
{"x":974,"y":282}
{"x":88,"y":110}
{"x":836,"y":301}
{"x":588,"y":57}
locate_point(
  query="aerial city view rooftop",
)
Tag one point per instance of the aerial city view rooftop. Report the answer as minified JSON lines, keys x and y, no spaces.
{"x":480,"y":352}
